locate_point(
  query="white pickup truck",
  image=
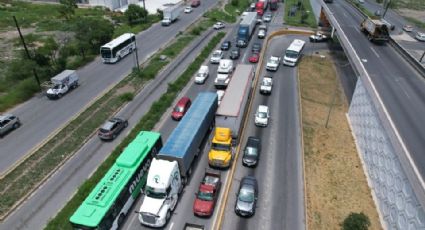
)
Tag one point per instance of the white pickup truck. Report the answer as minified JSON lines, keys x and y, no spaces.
{"x":62,"y":83}
{"x":224,"y":71}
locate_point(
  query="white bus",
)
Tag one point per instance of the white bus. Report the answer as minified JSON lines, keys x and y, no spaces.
{"x":116,"y":49}
{"x":293,"y":53}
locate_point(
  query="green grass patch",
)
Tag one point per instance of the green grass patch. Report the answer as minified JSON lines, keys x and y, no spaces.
{"x":408,"y":4}
{"x":362,"y":8}
{"x":147,"y":122}
{"x":297,"y":19}
{"x":230,"y":12}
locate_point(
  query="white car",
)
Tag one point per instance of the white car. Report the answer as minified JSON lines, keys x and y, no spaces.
{"x":188,"y":9}
{"x":218,"y":25}
{"x":267,"y":17}
{"x":216,"y":56}
{"x":202,"y":75}
{"x":273,"y":63}
{"x":318,"y":37}
{"x":220,"y":94}
{"x":266,"y":85}
{"x":262,"y":116}
{"x":420,"y":36}
{"x":408,"y":28}
{"x":261,"y":33}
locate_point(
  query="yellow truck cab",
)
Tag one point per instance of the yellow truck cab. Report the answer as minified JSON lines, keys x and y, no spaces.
{"x":220,"y":154}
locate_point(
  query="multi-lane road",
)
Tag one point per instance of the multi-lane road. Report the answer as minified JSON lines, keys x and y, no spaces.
{"x":42,"y":117}
{"x":400,"y":87}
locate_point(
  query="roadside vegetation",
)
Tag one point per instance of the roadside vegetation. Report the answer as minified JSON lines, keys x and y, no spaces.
{"x":336,"y":187}
{"x":299,"y":13}
{"x":58,"y":36}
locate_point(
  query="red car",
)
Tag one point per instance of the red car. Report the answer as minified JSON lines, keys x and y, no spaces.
{"x":195,"y":3}
{"x":254,"y":58}
{"x":181,"y":108}
{"x":207,"y":195}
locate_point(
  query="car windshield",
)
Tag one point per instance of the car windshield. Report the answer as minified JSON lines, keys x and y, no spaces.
{"x":267,"y":83}
{"x":178,"y":109}
{"x":107,"y":126}
{"x":57,"y":87}
{"x":150,"y":192}
{"x":220,"y":147}
{"x":105,"y":52}
{"x":200,"y":74}
{"x":246,"y":195}
{"x":216,"y":54}
{"x":250,"y":151}
{"x":262,"y":115}
{"x":274,"y":61}
{"x":207,"y":196}
{"x":291,"y":54}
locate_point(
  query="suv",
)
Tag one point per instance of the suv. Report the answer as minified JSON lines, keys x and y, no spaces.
{"x":7,"y":123}
{"x":235,"y":53}
{"x":256,"y":47}
{"x":266,"y":85}
{"x":273,"y":63}
{"x":262,"y":116}
{"x":111,"y":128}
{"x":246,"y":198}
{"x":226,"y":45}
{"x":251,"y":152}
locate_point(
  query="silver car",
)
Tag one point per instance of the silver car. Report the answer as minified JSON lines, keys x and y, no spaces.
{"x":247,"y":195}
{"x":8,"y":122}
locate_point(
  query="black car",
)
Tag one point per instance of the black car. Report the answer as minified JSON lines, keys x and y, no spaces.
{"x":251,"y":152}
{"x":256,"y":47}
{"x":111,"y":128}
{"x":226,"y":45}
{"x":235,"y":53}
{"x":246,"y":198}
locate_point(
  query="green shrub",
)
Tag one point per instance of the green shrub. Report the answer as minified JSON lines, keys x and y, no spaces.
{"x":356,"y":221}
{"x":127,"y":96}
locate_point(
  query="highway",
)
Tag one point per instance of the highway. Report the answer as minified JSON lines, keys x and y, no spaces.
{"x":41,"y":117}
{"x":184,"y":212}
{"x":45,"y":203}
{"x":280,"y":171}
{"x":400,"y":87}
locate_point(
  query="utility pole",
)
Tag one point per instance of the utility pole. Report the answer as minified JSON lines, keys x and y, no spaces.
{"x":145,"y":17}
{"x":137,"y":56}
{"x":26,"y":51}
{"x":387,"y":5}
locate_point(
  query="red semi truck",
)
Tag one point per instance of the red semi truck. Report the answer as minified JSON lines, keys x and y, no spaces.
{"x":260,"y":7}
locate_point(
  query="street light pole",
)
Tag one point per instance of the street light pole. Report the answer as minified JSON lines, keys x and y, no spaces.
{"x":386,"y":7}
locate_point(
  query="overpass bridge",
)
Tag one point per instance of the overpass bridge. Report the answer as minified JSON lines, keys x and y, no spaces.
{"x":387,"y":117}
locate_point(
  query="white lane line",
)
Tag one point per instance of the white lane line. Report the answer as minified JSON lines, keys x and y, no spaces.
{"x":374,"y":51}
{"x":131,"y":221}
{"x":171,"y":225}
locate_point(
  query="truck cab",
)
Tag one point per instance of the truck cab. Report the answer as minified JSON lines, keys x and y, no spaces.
{"x":161,"y":193}
{"x":220,"y":154}
{"x":224,"y":72}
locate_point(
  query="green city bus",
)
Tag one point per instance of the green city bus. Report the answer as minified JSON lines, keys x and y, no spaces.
{"x":112,"y":198}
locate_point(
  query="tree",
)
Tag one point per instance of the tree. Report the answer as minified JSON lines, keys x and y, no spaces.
{"x":67,"y":9}
{"x":92,"y":33}
{"x":356,"y":221}
{"x":135,"y":14}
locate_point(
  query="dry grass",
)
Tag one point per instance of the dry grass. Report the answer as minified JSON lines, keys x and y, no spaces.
{"x":336,"y":184}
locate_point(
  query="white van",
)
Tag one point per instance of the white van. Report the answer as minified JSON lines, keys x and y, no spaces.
{"x":293,"y":53}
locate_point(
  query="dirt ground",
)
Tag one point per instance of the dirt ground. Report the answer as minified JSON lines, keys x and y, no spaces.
{"x":335,"y":182}
{"x":418,"y":14}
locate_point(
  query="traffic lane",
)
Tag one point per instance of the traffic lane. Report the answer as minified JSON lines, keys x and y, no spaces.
{"x":184,"y":211}
{"x":53,"y":195}
{"x":399,"y":86}
{"x":280,"y":205}
{"x":41,"y":117}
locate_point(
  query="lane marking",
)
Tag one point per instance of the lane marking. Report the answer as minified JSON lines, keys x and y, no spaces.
{"x":374,"y":51}
{"x":171,"y":225}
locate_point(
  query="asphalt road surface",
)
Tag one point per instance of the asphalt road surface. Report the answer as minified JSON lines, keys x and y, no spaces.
{"x":400,"y":87}
{"x":41,"y":117}
{"x":44,"y":203}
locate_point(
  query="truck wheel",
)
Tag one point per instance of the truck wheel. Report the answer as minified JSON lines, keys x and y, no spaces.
{"x":59,"y":95}
{"x":168,"y":215}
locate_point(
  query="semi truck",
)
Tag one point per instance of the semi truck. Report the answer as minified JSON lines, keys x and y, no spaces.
{"x":246,"y":28}
{"x":170,"y":15}
{"x":273,"y":5}
{"x":229,"y":117}
{"x":62,"y":84}
{"x":375,"y":30}
{"x":260,"y":7}
{"x":171,"y":167}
